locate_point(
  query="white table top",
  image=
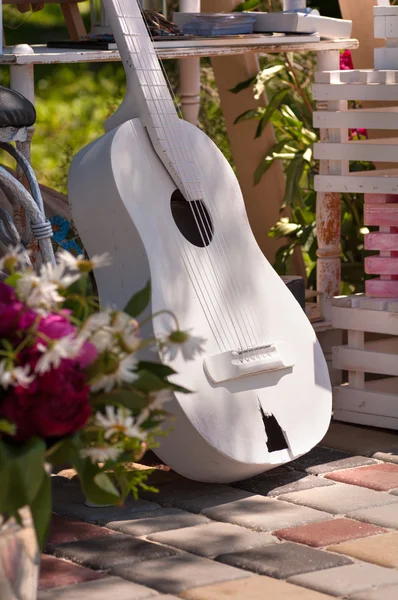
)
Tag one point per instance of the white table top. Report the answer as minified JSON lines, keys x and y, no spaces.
{"x":207,"y":47}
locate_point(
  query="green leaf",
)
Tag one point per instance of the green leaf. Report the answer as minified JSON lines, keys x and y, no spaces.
{"x":127,"y":398}
{"x":264,"y":76}
{"x":248,"y":115}
{"x":243,"y":85}
{"x":41,"y":510}
{"x":7,"y":427}
{"x":267,"y":161}
{"x":104,"y":482}
{"x":273,"y":105}
{"x":248,"y":5}
{"x":95,"y":494}
{"x":138,"y":303}
{"x":149,"y":382}
{"x":158,"y":369}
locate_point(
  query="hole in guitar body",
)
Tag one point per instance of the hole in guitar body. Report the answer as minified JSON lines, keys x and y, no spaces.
{"x":192,"y":219}
{"x":276,"y":439}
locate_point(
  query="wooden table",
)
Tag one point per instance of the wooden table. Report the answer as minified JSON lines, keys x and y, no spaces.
{"x":22,"y":58}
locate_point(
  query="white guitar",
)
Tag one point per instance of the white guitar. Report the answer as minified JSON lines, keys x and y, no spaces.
{"x":160,"y":196}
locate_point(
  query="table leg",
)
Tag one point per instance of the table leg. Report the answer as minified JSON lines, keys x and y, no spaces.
{"x":190,"y":74}
{"x":22,"y":81}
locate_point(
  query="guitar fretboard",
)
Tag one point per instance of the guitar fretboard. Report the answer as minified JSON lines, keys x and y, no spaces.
{"x":146,"y":82}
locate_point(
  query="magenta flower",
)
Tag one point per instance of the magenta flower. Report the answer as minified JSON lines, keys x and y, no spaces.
{"x":346,"y":63}
{"x":14,"y":315}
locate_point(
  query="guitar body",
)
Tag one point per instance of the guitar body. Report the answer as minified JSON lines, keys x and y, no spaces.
{"x":231,"y":426}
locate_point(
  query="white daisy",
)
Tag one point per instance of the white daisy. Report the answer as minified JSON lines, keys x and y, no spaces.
{"x":15,"y":376}
{"x":81,"y":264}
{"x":122,"y":373}
{"x":66,"y":347}
{"x":119,"y":421}
{"x":100,"y":454}
{"x":37,"y":293}
{"x":126,"y":329}
{"x":59,"y":275}
{"x":158,"y":399}
{"x":16,"y":257}
{"x":182,"y":341}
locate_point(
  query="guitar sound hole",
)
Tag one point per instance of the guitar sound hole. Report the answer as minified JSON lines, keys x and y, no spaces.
{"x":276,"y":439}
{"x":192,"y":219}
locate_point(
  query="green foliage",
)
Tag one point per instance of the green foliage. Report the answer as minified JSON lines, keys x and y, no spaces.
{"x":138,"y":303}
{"x":286,"y":81}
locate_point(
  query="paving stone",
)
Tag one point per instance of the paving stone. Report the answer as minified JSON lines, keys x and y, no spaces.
{"x":328,"y":532}
{"x":394,"y":492}
{"x":263,"y":514}
{"x":381,"y":477}
{"x":284,"y":560}
{"x":340,"y":498}
{"x":68,"y":500}
{"x":178,"y":573}
{"x":253,"y":588}
{"x":358,"y":440}
{"x":347,"y":580}
{"x":64,"y":530}
{"x":385,"y":593}
{"x":322,"y":460}
{"x":55,"y":572}
{"x":213,"y":539}
{"x":104,"y":553}
{"x":104,"y":589}
{"x":389,"y":455}
{"x":183,"y":489}
{"x":162,"y":519}
{"x":284,"y":483}
{"x":197,"y":505}
{"x":381,"y":550}
{"x":384,"y":516}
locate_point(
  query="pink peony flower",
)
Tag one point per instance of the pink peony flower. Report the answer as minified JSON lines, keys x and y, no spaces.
{"x":14,"y":315}
{"x":55,"y":405}
{"x":346,"y":63}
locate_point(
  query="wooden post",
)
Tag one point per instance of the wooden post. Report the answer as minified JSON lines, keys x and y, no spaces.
{"x":190,"y":74}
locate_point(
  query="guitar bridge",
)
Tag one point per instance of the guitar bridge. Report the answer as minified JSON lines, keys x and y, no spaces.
{"x":242,"y":363}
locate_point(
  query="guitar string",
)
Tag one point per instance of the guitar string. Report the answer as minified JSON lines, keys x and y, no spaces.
{"x":169,"y":128}
{"x":202,"y":227}
{"x":195,"y":270}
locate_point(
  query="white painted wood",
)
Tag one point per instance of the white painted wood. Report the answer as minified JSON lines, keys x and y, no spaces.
{"x":120,"y":194}
{"x":386,"y":26}
{"x":358,"y":319}
{"x":356,"y":76}
{"x":190,"y":74}
{"x":354,"y":91}
{"x":386,"y":58}
{"x":383,"y":118}
{"x":367,"y":182}
{"x":388,"y":345}
{"x":365,"y":419}
{"x":370,"y":401}
{"x":370,"y":303}
{"x":356,"y":339}
{"x":385,"y":150}
{"x":385,"y":9}
{"x":358,"y":362}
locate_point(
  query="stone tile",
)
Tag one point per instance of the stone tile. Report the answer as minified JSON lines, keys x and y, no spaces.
{"x":385,"y":593}
{"x":104,"y":589}
{"x":263,"y":514}
{"x":55,"y":572}
{"x":284,"y":560}
{"x":384,"y":516}
{"x":284,"y":483}
{"x":388,"y":455}
{"x":104,"y":553}
{"x":162,"y":519}
{"x":381,"y":477}
{"x":381,"y":550}
{"x":213,"y":539}
{"x":68,"y":500}
{"x":178,"y":573}
{"x":394,"y":492}
{"x":347,"y":580}
{"x":197,"y":505}
{"x":340,"y":498}
{"x":356,"y":439}
{"x":322,"y":460}
{"x":183,"y":489}
{"x":253,"y":588}
{"x":63,"y":530}
{"x":328,"y":532}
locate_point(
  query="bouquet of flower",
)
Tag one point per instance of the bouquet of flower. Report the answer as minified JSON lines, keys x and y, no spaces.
{"x":72,"y":388}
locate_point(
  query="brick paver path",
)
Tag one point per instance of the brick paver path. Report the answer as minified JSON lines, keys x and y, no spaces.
{"x":323,"y":527}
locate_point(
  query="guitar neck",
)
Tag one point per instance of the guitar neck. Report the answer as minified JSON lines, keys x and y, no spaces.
{"x":148,"y":96}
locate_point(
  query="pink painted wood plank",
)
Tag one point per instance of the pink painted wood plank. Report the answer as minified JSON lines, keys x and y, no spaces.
{"x":379,"y":265}
{"x":385,"y":215}
{"x":381,"y":241}
{"x":381,"y":289}
{"x":381,"y":198}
